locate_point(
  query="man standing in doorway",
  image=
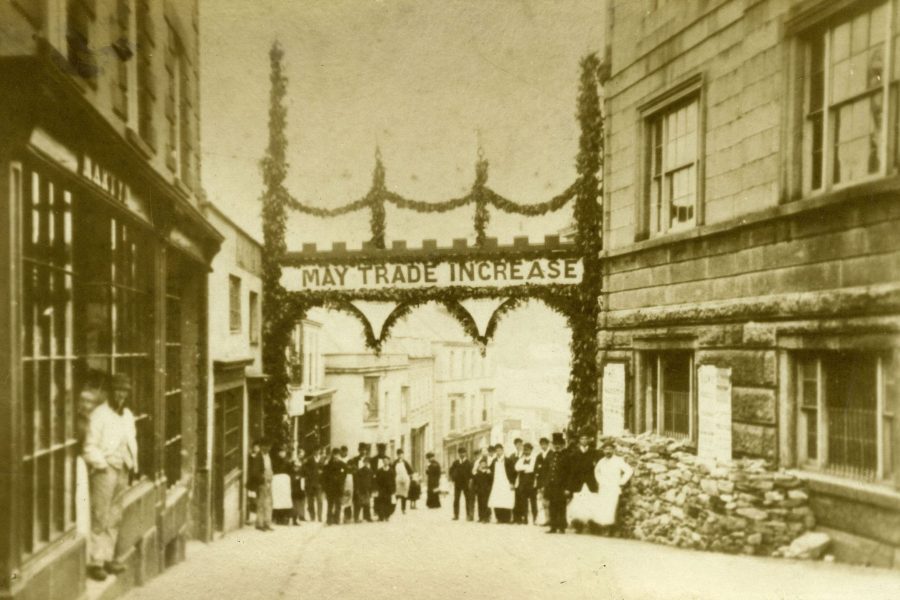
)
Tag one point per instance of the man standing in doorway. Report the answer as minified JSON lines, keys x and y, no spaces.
{"x":110,"y":451}
{"x":556,"y":488}
{"x":461,"y":476}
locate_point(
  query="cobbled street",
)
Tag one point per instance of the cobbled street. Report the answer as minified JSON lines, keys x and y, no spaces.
{"x":424,"y":554}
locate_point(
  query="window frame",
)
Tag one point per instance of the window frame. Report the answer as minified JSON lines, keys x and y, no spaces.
{"x":372,"y":393}
{"x":654,"y":377}
{"x":824,"y":28}
{"x":253,"y":317}
{"x":884,"y":470}
{"x":689,"y":90}
{"x":235,"y":320}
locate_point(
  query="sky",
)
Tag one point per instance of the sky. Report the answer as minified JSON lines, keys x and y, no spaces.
{"x":427,"y":82}
{"x":420,"y":79}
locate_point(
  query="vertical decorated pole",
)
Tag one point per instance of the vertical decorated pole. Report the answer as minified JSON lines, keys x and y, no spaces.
{"x":376,"y":203}
{"x":482,"y":215}
{"x":276,"y":320}
{"x":585,"y":311}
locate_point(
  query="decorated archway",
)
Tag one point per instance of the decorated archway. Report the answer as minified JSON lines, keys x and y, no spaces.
{"x":477,"y":284}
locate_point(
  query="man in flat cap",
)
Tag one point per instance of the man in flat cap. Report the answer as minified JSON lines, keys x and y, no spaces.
{"x":110,"y":451}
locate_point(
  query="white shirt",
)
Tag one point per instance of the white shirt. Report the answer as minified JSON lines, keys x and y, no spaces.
{"x":111,"y":439}
{"x":525,"y":464}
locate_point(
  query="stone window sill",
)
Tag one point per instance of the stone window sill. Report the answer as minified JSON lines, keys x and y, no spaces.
{"x":881,"y":495}
{"x":862,"y":192}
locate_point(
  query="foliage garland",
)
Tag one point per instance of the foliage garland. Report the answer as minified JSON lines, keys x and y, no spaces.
{"x":585,"y":320}
{"x":577,"y":303}
{"x":276,"y":317}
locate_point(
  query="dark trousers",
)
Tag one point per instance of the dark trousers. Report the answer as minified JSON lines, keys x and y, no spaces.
{"x":459,"y":490}
{"x":362,"y":506}
{"x":299,"y":513}
{"x":557,"y":507}
{"x":484,"y":513}
{"x":314,"y":505}
{"x":524,"y":498}
{"x":402,"y":500}
{"x":334,"y":509}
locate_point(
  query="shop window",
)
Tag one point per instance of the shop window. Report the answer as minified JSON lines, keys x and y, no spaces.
{"x":673,"y":150}
{"x":372,"y":397}
{"x":847,"y":97}
{"x":234,"y":303}
{"x":254,"y":318}
{"x":174,"y":393}
{"x":48,"y":358}
{"x":669,"y":394}
{"x":846,"y":404}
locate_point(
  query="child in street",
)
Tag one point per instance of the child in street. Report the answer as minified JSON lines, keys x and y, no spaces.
{"x":415,"y":491}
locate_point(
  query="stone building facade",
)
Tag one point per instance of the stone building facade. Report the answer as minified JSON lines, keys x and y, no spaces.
{"x":235,"y":389}
{"x":104,"y":264}
{"x":751,"y":210}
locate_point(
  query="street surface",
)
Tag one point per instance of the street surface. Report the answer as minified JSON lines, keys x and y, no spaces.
{"x":425,"y":554}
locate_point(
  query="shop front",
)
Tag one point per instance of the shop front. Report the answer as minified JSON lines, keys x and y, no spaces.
{"x":104,"y":268}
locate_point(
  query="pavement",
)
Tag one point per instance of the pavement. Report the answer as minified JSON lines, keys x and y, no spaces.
{"x":424,"y":554}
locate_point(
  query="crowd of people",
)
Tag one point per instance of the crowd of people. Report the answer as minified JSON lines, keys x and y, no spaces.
{"x":552,"y":486}
{"x":333,"y":486}
{"x":541,"y":486}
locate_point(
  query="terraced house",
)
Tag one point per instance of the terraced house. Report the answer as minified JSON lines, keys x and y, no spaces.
{"x":751,"y":219}
{"x":104,"y":258}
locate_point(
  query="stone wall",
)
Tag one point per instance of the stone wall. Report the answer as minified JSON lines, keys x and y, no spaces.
{"x":678,"y":499}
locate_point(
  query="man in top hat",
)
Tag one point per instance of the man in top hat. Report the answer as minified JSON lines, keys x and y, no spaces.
{"x":110,"y":451}
{"x":363,"y":482}
{"x":556,"y":484}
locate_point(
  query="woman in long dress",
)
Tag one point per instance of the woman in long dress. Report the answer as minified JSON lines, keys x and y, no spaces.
{"x":611,"y":472}
{"x":502,"y":498}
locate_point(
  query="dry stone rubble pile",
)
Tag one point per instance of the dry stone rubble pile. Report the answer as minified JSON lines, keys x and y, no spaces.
{"x":740,"y":507}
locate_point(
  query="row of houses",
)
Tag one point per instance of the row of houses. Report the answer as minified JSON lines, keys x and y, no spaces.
{"x":113,"y":260}
{"x":419,"y":394}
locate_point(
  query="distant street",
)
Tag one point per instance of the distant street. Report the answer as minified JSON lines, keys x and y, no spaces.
{"x":426,"y":555}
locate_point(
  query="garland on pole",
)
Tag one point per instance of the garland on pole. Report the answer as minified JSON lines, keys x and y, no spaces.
{"x":376,"y":203}
{"x":584,"y":321}
{"x":277,"y":318}
{"x":482,"y":215}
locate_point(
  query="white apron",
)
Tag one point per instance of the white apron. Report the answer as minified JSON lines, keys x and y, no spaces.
{"x":502,"y":495}
{"x":611,"y":474}
{"x":281,"y":492}
{"x":401,"y":480}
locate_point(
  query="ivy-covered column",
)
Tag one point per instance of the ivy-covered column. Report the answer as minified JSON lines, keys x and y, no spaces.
{"x":585,"y":310}
{"x":377,"y":220}
{"x":276,"y":319}
{"x":482,"y":215}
